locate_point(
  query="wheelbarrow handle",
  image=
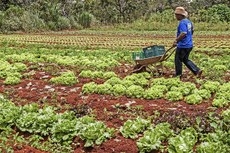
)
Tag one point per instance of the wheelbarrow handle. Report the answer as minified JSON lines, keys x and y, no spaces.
{"x":165,"y":56}
{"x":169,"y":49}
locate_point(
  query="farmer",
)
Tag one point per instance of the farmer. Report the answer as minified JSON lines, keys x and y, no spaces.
{"x":184,"y":43}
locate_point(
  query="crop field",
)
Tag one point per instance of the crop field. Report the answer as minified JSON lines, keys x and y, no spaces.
{"x":74,"y":92}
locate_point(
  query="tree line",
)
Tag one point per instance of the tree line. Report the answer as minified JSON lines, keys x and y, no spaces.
{"x":37,"y":15}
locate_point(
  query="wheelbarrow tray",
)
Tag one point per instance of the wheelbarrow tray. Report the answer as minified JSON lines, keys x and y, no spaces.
{"x":149,"y":60}
{"x":143,"y":63}
{"x":155,"y":59}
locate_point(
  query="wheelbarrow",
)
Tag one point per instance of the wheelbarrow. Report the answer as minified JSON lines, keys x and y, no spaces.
{"x":151,"y":56}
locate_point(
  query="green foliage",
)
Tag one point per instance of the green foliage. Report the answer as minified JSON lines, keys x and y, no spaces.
{"x":85,"y":19}
{"x":185,"y":88}
{"x":130,"y":14}
{"x":114,"y":80}
{"x":205,"y":94}
{"x":1,"y":17}
{"x":174,"y":95}
{"x":153,"y":137}
{"x":12,"y":80}
{"x":214,"y":142}
{"x":223,"y":91}
{"x":193,"y":99}
{"x":35,"y":120}
{"x":8,"y":113}
{"x":132,"y":128}
{"x":211,"y":86}
{"x":104,"y":88}
{"x":89,"y":88}
{"x":97,"y":74}
{"x":154,"y":93}
{"x":93,"y":132}
{"x":118,"y":90}
{"x":135,"y":91}
{"x":32,"y":22}
{"x":66,"y":78}
{"x":63,"y":23}
{"x":222,"y":11}
{"x":220,"y":102}
{"x":226,"y":115}
{"x":215,"y":14}
{"x":138,"y":79}
{"x":19,"y":66}
{"x":11,"y":20}
{"x":63,"y":130}
{"x":184,"y":142}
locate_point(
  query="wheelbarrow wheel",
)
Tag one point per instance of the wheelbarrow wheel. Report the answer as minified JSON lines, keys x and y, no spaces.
{"x":139,"y":68}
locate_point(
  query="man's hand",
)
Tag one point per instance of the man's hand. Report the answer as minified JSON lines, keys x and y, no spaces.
{"x":174,"y":43}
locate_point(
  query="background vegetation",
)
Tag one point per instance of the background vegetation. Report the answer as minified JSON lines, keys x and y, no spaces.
{"x":43,"y":15}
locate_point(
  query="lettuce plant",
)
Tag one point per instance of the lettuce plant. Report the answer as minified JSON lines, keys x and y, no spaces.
{"x":132,"y":128}
{"x":12,"y":80}
{"x":9,"y":113}
{"x":184,"y":142}
{"x":212,"y":86}
{"x":89,"y":88}
{"x":66,"y":78}
{"x":174,"y":96}
{"x":153,"y":137}
{"x":153,"y":93}
{"x":135,"y":91}
{"x":104,"y":89}
{"x":193,"y":99}
{"x":118,"y":90}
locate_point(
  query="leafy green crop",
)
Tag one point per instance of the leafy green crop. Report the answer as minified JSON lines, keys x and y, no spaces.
{"x":35,"y":120}
{"x":132,"y":128}
{"x":89,"y":88}
{"x":135,"y":91}
{"x":8,"y":113}
{"x":92,"y":131}
{"x":12,"y":80}
{"x":222,"y":96}
{"x":184,"y":142}
{"x":220,"y":102}
{"x":66,"y":78}
{"x":216,"y":142}
{"x":153,"y":137}
{"x":212,"y":86}
{"x":212,"y":147}
{"x":97,"y":74}
{"x":104,"y":89}
{"x":174,"y":95}
{"x":153,"y":93}
{"x":64,"y":129}
{"x":138,"y":79}
{"x":118,"y":90}
{"x":204,"y":93}
{"x":193,"y":99}
{"x":226,"y":115}
{"x":114,"y":80}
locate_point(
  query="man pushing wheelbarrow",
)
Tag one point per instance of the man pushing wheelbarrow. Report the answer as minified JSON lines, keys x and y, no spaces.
{"x":183,"y":44}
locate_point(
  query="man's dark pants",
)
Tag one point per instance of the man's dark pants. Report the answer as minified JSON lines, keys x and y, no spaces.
{"x":182,"y":56}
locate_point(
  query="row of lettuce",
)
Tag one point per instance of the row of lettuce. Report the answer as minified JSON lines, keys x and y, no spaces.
{"x":12,"y":61}
{"x":96,"y":64}
{"x":135,"y":86}
{"x":62,"y":128}
{"x":142,"y":86}
{"x":104,"y":59}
